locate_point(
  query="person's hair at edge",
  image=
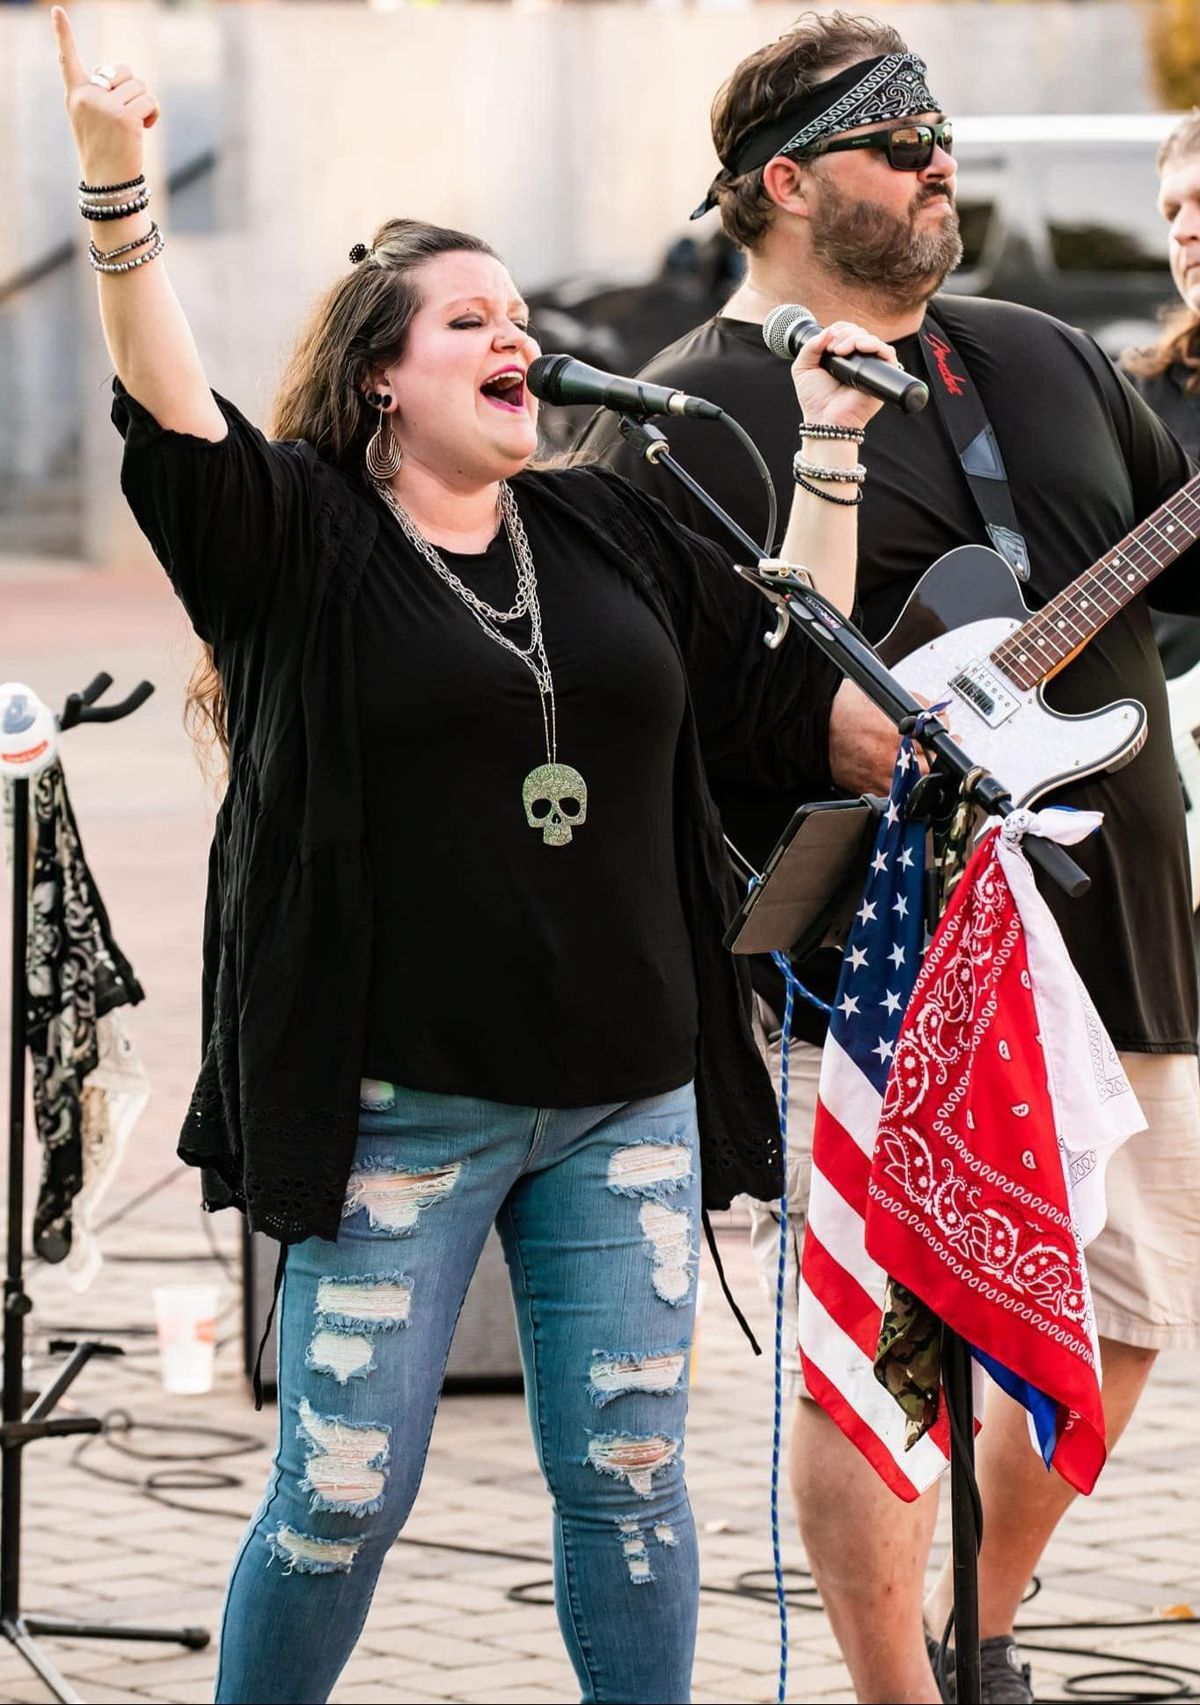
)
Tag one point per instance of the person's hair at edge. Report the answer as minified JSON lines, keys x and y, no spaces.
{"x":807,"y":54}
{"x":359,"y":325}
{"x":1180,"y":340}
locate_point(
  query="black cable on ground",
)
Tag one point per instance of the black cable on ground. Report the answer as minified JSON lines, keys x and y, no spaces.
{"x":1142,"y":1678}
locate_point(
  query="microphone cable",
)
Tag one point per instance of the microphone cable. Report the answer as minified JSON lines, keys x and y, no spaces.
{"x":764,"y":473}
{"x":1132,"y":1676}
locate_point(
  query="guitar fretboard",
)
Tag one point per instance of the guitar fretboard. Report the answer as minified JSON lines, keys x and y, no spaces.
{"x":1064,"y":625}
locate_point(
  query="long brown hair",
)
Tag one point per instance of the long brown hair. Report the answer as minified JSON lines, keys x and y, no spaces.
{"x":1179,"y":344}
{"x":359,"y":326}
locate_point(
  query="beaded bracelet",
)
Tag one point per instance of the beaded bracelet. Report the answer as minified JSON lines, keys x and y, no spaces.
{"x":128,"y":265}
{"x":820,"y":471}
{"x":99,"y":213}
{"x":119,"y":210}
{"x":845,"y":502}
{"x":111,"y":189}
{"x":95,"y":254}
{"x":849,"y":434}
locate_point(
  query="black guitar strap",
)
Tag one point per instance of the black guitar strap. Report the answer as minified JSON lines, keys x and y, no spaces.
{"x":961,"y":409}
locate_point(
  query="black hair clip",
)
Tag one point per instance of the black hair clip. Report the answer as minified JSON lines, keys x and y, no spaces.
{"x":360,"y":251}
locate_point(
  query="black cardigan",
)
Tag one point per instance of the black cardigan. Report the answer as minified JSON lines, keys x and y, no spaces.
{"x":266,"y":544}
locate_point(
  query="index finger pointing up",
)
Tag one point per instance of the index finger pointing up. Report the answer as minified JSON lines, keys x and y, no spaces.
{"x":74,"y":72}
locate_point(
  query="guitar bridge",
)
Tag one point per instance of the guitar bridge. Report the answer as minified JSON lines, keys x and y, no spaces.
{"x":985,"y":693}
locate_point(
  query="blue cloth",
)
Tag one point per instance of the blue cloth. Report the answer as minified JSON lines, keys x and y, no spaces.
{"x":1043,"y":1410}
{"x":598,"y":1211}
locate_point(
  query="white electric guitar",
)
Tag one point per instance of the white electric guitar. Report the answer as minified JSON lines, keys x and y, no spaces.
{"x":966,"y":635}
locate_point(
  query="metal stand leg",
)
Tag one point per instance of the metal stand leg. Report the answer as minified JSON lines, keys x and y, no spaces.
{"x":964,"y":1516}
{"x":17,"y":1429}
{"x":14,"y":1631}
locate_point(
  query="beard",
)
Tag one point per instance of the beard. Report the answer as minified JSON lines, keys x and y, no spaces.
{"x":864,"y":243}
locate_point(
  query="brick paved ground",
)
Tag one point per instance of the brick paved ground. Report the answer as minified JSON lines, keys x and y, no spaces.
{"x":443,"y":1626}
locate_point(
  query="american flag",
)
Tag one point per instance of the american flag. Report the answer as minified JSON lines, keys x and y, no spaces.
{"x":841,"y":1288}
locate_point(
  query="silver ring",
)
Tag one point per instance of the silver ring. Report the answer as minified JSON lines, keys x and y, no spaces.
{"x":103,"y":76}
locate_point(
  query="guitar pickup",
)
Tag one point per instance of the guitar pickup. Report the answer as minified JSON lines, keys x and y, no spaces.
{"x":985,"y":693}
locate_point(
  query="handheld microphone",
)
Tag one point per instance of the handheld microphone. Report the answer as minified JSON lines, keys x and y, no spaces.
{"x":562,"y":379}
{"x":790,"y":326}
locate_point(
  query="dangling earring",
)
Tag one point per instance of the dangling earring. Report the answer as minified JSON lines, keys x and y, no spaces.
{"x":384,"y":456}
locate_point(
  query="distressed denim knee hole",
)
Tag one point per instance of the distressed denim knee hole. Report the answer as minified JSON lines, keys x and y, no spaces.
{"x":668,"y":1232}
{"x":614,"y":1374}
{"x":634,"y":1458}
{"x":377,"y":1303}
{"x":394,"y":1199}
{"x":650,"y":1168}
{"x":345,"y":1355}
{"x":345,"y":1467}
{"x":303,"y":1554}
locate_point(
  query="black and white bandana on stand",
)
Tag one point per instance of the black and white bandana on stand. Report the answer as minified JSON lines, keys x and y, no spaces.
{"x":75,"y":976}
{"x":871,"y":92}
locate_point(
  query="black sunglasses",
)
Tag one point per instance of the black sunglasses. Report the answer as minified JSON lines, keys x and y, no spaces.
{"x":909,"y":147}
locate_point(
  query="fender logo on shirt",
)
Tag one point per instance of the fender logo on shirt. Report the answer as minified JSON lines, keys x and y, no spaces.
{"x":941,"y":353}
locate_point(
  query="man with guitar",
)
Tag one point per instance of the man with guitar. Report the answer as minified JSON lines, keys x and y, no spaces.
{"x":838,"y":182}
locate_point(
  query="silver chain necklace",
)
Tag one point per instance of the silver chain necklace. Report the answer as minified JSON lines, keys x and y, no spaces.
{"x":554,"y":795}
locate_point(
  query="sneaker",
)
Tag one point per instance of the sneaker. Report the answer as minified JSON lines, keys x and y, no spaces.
{"x":1003,"y":1678}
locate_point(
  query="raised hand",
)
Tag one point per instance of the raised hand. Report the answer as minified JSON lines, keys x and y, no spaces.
{"x":109,"y":110}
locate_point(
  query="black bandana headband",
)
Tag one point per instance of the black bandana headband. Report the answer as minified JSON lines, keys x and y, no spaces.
{"x":874,"y":90}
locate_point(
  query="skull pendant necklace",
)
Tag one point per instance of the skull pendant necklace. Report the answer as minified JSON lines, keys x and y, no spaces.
{"x":553,"y":795}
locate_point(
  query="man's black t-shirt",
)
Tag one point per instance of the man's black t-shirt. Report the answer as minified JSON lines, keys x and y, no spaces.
{"x":1086,"y":460}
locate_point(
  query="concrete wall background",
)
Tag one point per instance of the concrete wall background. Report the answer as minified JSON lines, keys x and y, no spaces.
{"x":575,"y":138}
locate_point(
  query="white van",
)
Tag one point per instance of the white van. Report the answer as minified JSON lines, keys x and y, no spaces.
{"x":1059,"y":211}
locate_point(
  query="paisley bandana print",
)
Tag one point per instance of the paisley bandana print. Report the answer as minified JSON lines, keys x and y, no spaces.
{"x":871,"y":92}
{"x":893,"y":87}
{"x":75,"y":974}
{"x":969,"y":1200}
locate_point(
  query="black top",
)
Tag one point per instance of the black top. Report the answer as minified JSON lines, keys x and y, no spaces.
{"x":1086,"y":460}
{"x":269,"y":548}
{"x":1178,"y":636}
{"x":496,"y":953}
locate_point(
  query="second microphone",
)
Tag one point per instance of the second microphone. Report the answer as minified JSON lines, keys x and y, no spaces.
{"x":563,"y":380}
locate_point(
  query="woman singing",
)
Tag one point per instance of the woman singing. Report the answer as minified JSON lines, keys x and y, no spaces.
{"x":463,"y":957}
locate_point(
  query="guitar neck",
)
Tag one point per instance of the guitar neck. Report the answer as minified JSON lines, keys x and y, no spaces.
{"x":1051,"y":637}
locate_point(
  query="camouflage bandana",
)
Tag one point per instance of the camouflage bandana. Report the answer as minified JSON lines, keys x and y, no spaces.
{"x":908,"y":1359}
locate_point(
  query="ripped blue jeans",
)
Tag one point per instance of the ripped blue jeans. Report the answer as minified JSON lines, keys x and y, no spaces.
{"x":598,"y":1210}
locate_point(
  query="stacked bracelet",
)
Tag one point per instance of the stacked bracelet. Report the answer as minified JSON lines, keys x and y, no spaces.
{"x":845,"y":502}
{"x":95,"y":254}
{"x":101,"y":202}
{"x":821,"y":471}
{"x":112,"y":189}
{"x":102,"y":263}
{"x":99,"y":212}
{"x":848,"y":434}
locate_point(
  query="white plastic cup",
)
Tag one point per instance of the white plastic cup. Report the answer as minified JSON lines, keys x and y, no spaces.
{"x":187,"y":1336}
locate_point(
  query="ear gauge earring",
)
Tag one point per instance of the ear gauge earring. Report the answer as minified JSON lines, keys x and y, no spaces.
{"x":383,"y":456}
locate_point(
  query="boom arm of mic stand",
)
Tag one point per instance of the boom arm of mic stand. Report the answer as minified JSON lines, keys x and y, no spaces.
{"x":853,"y":654}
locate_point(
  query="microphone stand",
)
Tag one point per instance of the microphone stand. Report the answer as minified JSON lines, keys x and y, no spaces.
{"x":797,"y":603}
{"x":19,"y":1426}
